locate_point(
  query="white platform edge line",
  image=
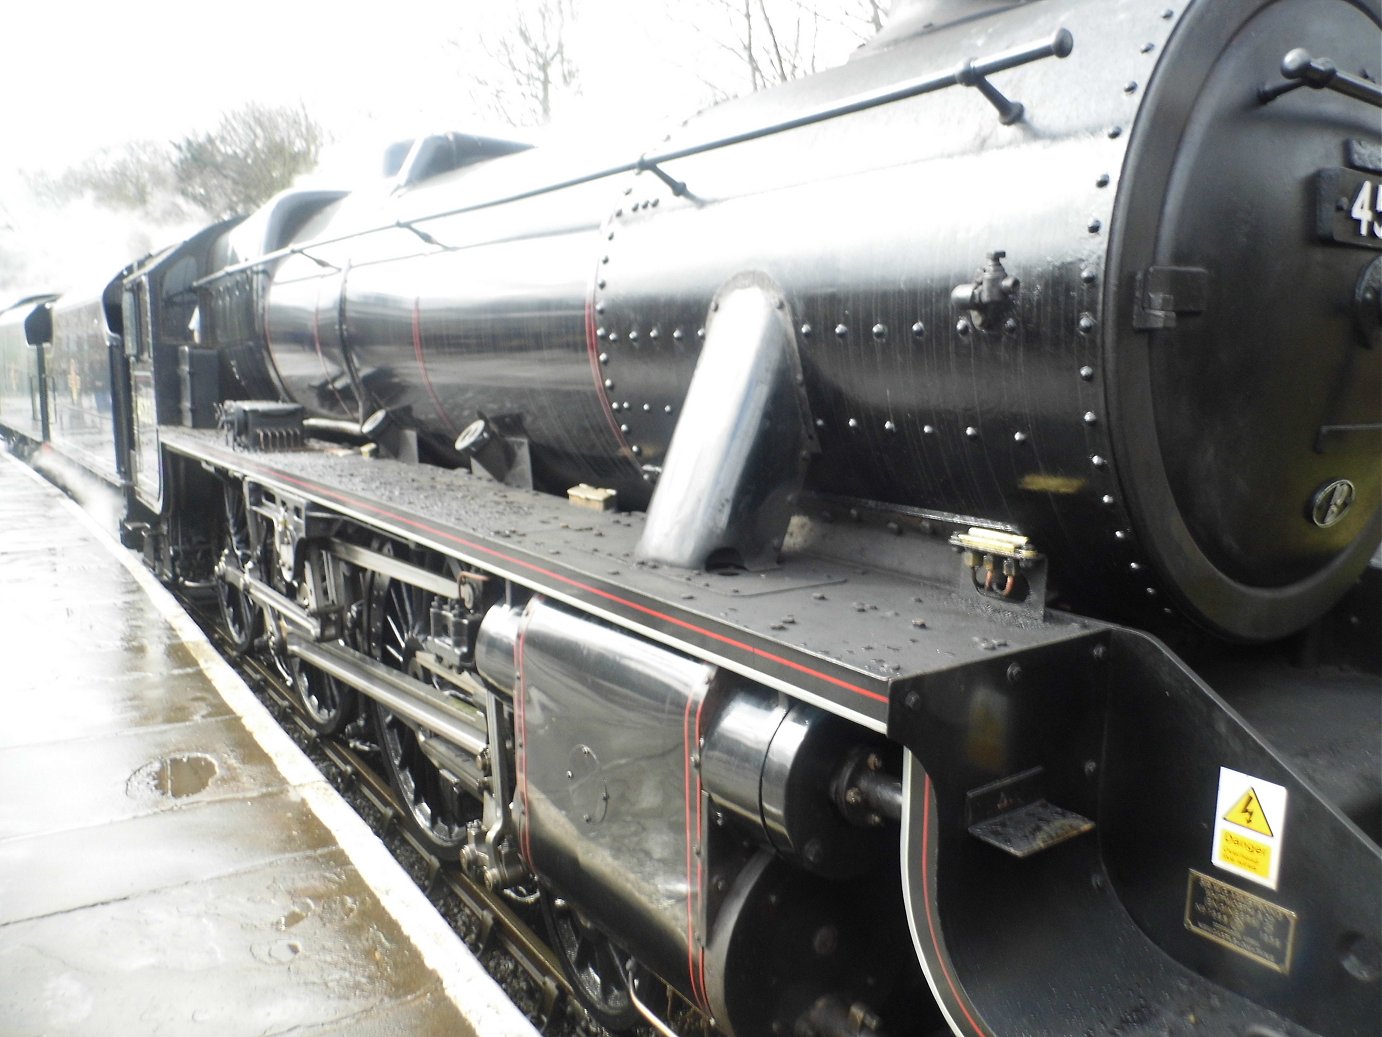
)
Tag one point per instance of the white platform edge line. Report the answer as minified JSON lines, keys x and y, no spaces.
{"x":474,"y":992}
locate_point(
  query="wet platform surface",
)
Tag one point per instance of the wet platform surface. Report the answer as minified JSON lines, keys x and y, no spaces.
{"x":169,"y":862}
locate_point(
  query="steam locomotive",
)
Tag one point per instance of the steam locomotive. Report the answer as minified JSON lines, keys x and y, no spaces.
{"x":767,"y":549}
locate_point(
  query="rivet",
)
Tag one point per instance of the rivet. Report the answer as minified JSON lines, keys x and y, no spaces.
{"x":600,"y":333}
{"x":677,"y":334}
{"x":1097,"y":461}
{"x":609,"y":236}
{"x":1090,"y":417}
{"x":604,"y":358}
{"x":624,"y":405}
{"x":1168,"y":14}
{"x":852,"y":423}
{"x":1019,"y":437}
{"x":971,"y":432}
{"x":841,"y":331}
{"x":880,"y":332}
{"x":918,"y":330}
{"x":1103,"y":180}
{"x":1088,"y":276}
{"x":1095,"y":225}
{"x":1107,"y":499}
{"x":1114,"y":132}
{"x":1151,"y":592}
{"x":647,"y":407}
{"x":624,"y":429}
{"x":618,"y":213}
{"x":614,"y":336}
{"x":655,"y":202}
{"x":820,"y":423}
{"x":1120,"y":534}
{"x":599,"y":307}
{"x":929,"y":430}
{"x":600,"y":283}
{"x":778,"y":303}
{"x":609,"y":383}
{"x":604,"y":259}
{"x":888,"y":426}
{"x":1135,"y":566}
{"x":700,"y":332}
{"x":1130,"y":87}
{"x":1087,"y":373}
{"x":1086,"y":323}
{"x":963,"y":327}
{"x":667,"y":409}
{"x":654,"y":334}
{"x":806,"y":331}
{"x":636,"y":450}
{"x":714,"y":307}
{"x":1147,"y":48}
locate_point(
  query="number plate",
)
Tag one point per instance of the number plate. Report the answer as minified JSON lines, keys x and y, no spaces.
{"x":1349,"y":208}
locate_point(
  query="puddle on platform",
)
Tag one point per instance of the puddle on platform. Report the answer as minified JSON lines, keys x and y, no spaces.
{"x":173,"y":777}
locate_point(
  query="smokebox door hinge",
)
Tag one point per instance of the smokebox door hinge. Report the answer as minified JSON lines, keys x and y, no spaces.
{"x":1160,"y":293}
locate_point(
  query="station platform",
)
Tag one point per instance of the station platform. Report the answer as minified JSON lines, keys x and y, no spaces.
{"x":170,"y":863}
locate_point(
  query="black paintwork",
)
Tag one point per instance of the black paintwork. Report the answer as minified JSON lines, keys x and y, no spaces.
{"x":1166,"y":468}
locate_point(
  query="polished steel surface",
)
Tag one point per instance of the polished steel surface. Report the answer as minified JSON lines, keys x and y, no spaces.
{"x":734,"y":468}
{"x":608,"y":791}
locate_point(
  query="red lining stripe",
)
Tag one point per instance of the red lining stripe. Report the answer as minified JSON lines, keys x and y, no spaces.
{"x":321,"y":358}
{"x":700,"y":861}
{"x":691,"y":886}
{"x":422,"y":367}
{"x":930,"y":912}
{"x":521,"y":717}
{"x":725,"y":639}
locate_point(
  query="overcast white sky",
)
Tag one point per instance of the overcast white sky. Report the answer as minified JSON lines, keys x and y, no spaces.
{"x":80,"y":75}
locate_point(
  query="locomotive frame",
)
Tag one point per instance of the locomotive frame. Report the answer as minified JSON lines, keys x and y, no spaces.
{"x":774,"y":740}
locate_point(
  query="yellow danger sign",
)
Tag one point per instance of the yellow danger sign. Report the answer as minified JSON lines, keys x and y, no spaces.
{"x":1245,"y":853}
{"x":1248,"y":813}
{"x":1249,"y":826}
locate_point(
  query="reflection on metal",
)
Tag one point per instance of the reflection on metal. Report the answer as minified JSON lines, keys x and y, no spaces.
{"x":486,"y":446}
{"x":1331,"y":503}
{"x":266,"y":597}
{"x":575,"y":676}
{"x":1299,"y":69}
{"x":969,"y":73}
{"x":737,"y":459}
{"x":417,"y":702}
{"x":386,"y":431}
{"x":394,"y":568}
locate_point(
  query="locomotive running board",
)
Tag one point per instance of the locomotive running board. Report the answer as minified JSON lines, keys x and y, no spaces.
{"x":1219,"y":892}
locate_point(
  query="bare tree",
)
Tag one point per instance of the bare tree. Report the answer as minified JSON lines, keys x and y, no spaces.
{"x":254,"y":152}
{"x":517,"y":71}
{"x":774,"y":41}
{"x":136,"y":177}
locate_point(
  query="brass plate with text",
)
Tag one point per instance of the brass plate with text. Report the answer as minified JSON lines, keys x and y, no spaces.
{"x":1247,"y":924}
